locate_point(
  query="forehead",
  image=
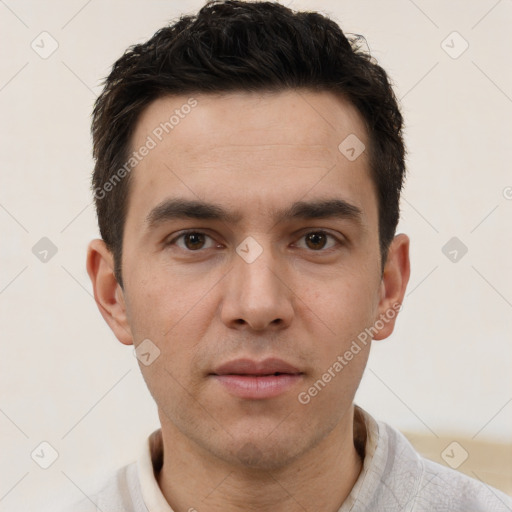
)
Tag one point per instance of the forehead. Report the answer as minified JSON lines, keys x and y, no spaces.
{"x":299,"y":118}
{"x":262,"y":147}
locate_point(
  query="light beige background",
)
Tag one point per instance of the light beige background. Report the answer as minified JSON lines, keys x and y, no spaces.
{"x":65,"y":379}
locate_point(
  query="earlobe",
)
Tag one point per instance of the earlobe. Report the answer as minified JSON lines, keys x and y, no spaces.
{"x":108,"y":294}
{"x":393,"y":285}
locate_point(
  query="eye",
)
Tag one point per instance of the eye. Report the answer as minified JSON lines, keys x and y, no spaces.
{"x":193,"y":241}
{"x":318,"y":240}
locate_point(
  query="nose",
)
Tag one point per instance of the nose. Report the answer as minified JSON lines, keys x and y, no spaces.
{"x":257,"y":295}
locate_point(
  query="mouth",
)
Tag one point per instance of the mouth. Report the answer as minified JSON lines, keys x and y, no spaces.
{"x":254,"y":380}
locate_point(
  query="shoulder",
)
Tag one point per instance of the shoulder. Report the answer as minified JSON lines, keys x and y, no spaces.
{"x":121,"y":492}
{"x":435,"y":487}
{"x":457,"y":491}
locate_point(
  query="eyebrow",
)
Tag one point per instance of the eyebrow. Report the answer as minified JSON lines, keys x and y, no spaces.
{"x":171,"y":209}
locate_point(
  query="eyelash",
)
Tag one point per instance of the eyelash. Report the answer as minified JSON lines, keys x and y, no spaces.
{"x":194,"y":231}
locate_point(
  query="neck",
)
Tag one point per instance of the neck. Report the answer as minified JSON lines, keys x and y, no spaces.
{"x":321,"y":479}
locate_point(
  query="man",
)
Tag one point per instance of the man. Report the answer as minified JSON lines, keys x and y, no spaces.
{"x":249,"y":163}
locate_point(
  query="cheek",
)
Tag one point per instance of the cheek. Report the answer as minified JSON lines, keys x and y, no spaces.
{"x":340,"y":355}
{"x":335,"y":315}
{"x":175,"y":315}
{"x":345,"y":299}
{"x":163,"y":303}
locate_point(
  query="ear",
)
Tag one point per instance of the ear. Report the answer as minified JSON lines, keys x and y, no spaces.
{"x":108,"y":294}
{"x":394,"y":281}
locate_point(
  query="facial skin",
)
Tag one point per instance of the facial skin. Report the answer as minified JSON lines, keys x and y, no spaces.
{"x":253,"y":155}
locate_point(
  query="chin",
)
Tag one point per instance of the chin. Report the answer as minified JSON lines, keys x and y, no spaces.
{"x":265,"y":454}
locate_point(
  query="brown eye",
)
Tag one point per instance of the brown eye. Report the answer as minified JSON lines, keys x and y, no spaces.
{"x":194,"y":241}
{"x":316,"y":240}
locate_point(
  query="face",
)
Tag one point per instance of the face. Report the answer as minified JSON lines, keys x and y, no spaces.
{"x":251,"y":248}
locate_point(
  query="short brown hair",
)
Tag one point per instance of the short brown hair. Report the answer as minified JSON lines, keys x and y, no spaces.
{"x":231,"y":45}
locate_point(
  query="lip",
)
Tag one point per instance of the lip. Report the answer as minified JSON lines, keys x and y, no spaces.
{"x":249,"y":367}
{"x":250,"y":379}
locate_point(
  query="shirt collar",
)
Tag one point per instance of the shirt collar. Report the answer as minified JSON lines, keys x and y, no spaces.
{"x":149,"y":465}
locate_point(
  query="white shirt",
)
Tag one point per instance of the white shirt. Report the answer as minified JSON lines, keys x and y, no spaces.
{"x":394,"y":478}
